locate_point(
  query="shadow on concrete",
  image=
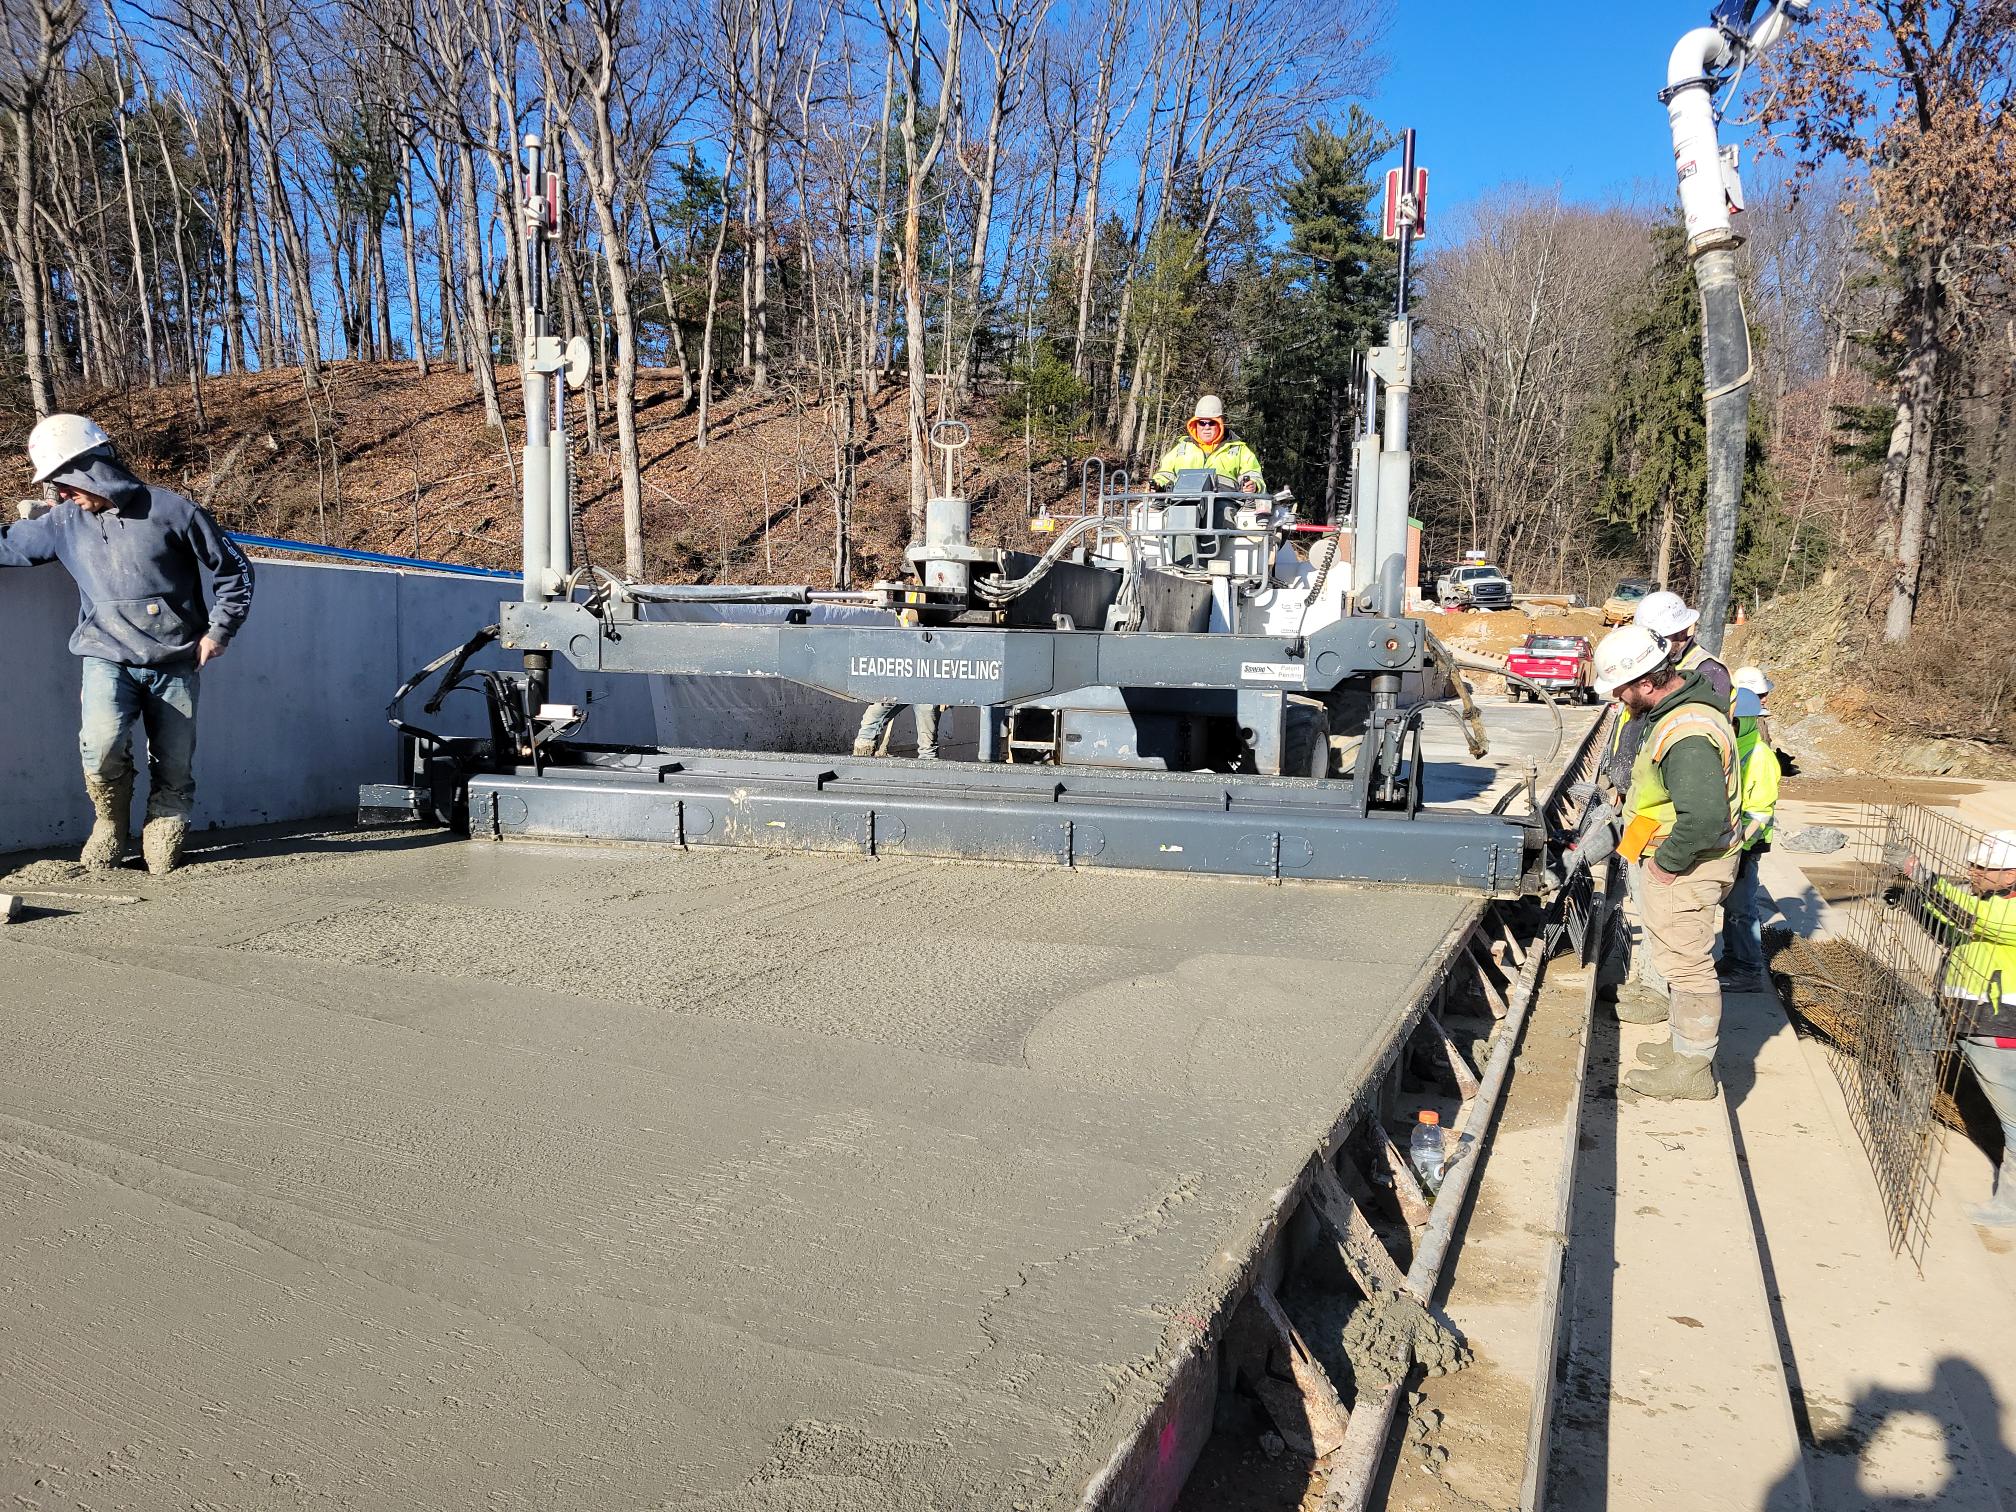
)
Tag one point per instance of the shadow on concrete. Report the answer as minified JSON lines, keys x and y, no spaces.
{"x":1749,"y":1020}
{"x":1580,"y":1472}
{"x":1980,"y":1470}
{"x":1801,"y":911}
{"x":1455,"y":781}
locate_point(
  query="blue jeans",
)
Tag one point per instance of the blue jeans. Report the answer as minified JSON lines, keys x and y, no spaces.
{"x":1995,"y":1069}
{"x":876,"y":719}
{"x":1742,"y":921}
{"x":160,"y":699}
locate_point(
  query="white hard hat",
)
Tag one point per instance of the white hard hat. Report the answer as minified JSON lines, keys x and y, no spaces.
{"x":1209,"y":407}
{"x":1627,"y":654}
{"x":1665,"y":613}
{"x":1754,"y":679}
{"x":59,"y":440}
{"x":1994,"y":851}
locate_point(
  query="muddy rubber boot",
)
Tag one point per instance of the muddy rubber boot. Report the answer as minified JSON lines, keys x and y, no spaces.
{"x":1656,"y":1053}
{"x":1681,"y":1078}
{"x":1687,"y":1073}
{"x":111,"y":802}
{"x":864,"y":748}
{"x":1639,"y":1004}
{"x":1999,"y":1211}
{"x":161,"y":842}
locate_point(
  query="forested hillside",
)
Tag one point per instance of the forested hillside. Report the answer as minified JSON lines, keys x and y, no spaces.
{"x":274,"y":244}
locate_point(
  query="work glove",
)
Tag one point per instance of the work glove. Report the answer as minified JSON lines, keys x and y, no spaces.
{"x":1595,"y":842}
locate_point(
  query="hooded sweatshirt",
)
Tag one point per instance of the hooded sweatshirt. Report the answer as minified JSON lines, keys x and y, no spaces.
{"x":1695,"y":778}
{"x":155,"y":574}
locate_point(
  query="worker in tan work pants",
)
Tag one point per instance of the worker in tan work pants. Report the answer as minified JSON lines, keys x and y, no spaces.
{"x":1680,"y":833}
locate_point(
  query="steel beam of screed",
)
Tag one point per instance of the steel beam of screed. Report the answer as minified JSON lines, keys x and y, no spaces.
{"x":1269,"y":828}
{"x":967,"y":668}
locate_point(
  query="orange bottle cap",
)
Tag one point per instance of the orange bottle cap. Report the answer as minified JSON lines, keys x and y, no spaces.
{"x":1429,"y":1116}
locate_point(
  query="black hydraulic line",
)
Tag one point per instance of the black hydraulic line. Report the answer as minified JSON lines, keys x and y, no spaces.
{"x":455,"y":661}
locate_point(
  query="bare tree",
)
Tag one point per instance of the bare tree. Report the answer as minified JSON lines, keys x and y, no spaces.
{"x":913,"y":50}
{"x":1010,"y":31}
{"x":1520,"y":311}
{"x":36,"y":36}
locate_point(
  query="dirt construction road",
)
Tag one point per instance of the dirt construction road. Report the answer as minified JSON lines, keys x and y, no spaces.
{"x":404,"y":1172}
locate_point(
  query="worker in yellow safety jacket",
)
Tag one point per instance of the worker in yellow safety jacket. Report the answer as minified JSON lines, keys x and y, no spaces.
{"x":1667,"y":616}
{"x":1209,"y":444}
{"x":1975,"y":919}
{"x":1742,"y":918}
{"x":1681,"y":818}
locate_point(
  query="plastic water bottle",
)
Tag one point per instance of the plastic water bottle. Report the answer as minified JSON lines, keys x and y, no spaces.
{"x":1425,"y":1149}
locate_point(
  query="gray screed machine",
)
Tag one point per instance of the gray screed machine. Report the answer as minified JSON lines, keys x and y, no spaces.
{"x":1165,"y":702}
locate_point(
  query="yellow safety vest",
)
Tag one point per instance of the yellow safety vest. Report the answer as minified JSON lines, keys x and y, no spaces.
{"x":1761,"y":771}
{"x":1651,"y":806}
{"x":1232,"y":459}
{"x":1982,"y":967}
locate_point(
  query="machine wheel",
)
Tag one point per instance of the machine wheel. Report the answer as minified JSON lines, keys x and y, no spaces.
{"x":1305,"y":738}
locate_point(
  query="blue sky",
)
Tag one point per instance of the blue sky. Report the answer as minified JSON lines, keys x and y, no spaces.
{"x":1512,"y":90}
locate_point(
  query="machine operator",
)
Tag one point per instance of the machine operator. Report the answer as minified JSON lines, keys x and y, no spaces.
{"x":1207,"y":443}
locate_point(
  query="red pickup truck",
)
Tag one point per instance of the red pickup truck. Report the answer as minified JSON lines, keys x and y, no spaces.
{"x":1562,"y":664}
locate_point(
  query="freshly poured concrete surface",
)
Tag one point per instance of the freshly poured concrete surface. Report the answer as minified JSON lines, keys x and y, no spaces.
{"x":402,"y":1172}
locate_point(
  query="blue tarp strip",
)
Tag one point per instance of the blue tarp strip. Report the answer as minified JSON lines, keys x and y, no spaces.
{"x":375,"y":558}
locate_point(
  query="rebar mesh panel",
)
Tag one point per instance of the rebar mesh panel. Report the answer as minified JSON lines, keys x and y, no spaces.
{"x":1907,"y":916}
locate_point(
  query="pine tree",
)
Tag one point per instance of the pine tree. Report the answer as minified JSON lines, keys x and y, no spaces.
{"x":1317,"y":302}
{"x":1650,"y":439}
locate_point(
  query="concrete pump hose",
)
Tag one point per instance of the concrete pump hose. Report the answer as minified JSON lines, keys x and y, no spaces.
{"x":1725,"y":351}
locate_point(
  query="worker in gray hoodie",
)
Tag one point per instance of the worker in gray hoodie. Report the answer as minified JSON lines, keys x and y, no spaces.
{"x":161,"y":592}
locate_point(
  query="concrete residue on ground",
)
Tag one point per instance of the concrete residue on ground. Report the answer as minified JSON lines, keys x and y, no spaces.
{"x":1367,"y":1345}
{"x":1383,"y":1337}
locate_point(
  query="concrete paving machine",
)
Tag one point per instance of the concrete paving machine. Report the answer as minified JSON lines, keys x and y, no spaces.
{"x":1157,"y":689}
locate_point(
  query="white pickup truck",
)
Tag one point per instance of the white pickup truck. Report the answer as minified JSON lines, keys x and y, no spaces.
{"x":1474,"y":585}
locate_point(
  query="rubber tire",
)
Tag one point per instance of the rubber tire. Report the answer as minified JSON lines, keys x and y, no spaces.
{"x":1305,"y":738}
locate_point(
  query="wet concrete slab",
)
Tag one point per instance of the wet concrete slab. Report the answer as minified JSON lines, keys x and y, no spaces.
{"x":401,"y":1172}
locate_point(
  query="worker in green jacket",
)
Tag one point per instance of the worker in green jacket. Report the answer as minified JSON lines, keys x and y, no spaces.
{"x":1974,"y":919}
{"x":1209,"y":444}
{"x":1742,"y":921}
{"x":1680,"y":832}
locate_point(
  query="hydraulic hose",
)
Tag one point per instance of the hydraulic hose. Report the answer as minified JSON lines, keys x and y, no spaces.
{"x":1472,"y":720}
{"x":1479,"y":664}
{"x":1725,"y":351}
